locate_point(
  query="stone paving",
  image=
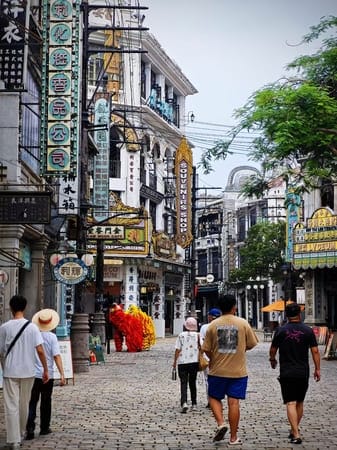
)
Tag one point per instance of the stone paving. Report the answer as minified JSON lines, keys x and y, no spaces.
{"x":130,"y":402}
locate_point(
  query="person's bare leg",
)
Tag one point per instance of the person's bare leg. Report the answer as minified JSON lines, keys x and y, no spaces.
{"x":217,"y":410}
{"x":233,"y":417}
{"x":293,"y":418}
{"x":299,"y":409}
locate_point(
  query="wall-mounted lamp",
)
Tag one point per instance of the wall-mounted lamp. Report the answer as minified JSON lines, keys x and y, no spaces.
{"x":190,"y":117}
{"x":170,"y":292}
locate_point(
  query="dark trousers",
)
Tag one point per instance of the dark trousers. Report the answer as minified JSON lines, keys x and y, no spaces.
{"x":188,"y":377}
{"x":45,"y":390}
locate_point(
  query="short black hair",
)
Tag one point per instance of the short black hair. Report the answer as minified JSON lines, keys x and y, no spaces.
{"x":18,"y":303}
{"x":292,"y":310}
{"x":226,"y":303}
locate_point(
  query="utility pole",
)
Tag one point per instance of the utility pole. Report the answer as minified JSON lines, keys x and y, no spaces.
{"x":193,"y":255}
{"x":80,"y":320}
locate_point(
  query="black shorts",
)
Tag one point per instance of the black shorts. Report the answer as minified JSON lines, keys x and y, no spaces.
{"x":293,"y":389}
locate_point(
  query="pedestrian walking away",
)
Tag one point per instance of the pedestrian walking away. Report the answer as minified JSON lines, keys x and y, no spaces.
{"x":213,"y":313}
{"x":186,"y":357}
{"x":46,"y":320}
{"x":226,"y":341}
{"x":293,"y":341}
{"x":18,"y":364}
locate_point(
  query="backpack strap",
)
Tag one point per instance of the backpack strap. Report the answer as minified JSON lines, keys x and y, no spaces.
{"x":17,"y":337}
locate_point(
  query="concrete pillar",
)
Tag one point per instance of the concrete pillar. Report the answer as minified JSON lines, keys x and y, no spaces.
{"x":79,"y":337}
{"x":33,"y":283}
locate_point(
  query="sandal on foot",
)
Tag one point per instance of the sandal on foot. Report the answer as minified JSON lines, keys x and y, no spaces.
{"x":296,"y":441}
{"x":236,"y":442}
{"x":220,"y":433}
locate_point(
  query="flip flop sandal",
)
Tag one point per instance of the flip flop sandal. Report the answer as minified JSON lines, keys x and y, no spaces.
{"x":236,"y":442}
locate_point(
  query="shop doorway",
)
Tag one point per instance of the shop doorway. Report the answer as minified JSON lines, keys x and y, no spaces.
{"x":332,"y":311}
{"x":169,"y":314}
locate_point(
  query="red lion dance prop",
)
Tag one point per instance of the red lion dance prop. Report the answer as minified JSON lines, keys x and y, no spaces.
{"x":128,"y":326}
{"x":135,"y":325}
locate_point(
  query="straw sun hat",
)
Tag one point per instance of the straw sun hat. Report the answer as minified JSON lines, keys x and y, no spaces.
{"x":46,"y":319}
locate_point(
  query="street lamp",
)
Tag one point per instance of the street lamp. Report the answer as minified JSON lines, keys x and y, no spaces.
{"x":255,"y":310}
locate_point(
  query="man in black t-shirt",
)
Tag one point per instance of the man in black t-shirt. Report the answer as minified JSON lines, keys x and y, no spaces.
{"x":293,"y":341}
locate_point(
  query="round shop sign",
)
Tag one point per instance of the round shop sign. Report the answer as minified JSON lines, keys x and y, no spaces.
{"x":70,"y":270}
{"x":210,"y":278}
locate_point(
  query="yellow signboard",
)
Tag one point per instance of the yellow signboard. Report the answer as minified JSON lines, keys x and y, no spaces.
{"x":315,"y":245}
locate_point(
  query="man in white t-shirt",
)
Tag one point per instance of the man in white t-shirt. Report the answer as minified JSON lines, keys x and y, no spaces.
{"x":46,"y":320}
{"x":19,"y":369}
{"x":213,"y":313}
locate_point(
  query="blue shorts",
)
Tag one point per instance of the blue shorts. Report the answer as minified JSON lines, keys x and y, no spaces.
{"x":219,"y":387}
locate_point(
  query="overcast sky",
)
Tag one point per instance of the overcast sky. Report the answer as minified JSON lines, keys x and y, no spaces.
{"x":228,"y":49}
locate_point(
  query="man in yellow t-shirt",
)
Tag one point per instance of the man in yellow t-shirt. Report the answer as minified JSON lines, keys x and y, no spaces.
{"x":226,"y":342}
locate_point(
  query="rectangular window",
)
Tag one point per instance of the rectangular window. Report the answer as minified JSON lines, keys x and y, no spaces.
{"x":30,"y":136}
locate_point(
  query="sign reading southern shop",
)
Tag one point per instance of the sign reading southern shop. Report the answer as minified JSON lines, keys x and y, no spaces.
{"x":315,"y":245}
{"x":183,"y":172}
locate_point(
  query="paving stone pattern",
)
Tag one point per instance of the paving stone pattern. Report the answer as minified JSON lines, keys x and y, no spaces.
{"x":130,"y":402}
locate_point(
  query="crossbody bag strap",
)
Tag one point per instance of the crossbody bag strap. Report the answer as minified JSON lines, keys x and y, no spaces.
{"x":17,"y":337}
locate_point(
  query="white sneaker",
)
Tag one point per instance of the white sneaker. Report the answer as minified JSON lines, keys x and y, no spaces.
{"x":193,"y":407}
{"x":184,"y":408}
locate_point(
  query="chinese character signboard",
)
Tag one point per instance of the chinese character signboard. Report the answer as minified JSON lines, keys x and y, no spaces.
{"x":23,"y":207}
{"x":14,"y":25}
{"x":60,"y":89}
{"x":101,"y":161}
{"x":183,"y":172}
{"x":293,"y":204}
{"x":315,"y":245}
{"x":70,"y":270}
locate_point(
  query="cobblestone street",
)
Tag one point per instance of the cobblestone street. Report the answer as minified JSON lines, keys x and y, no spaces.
{"x":130,"y":402}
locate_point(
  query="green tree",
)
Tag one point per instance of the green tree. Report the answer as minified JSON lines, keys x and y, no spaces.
{"x":262,"y":253}
{"x":296,"y":121}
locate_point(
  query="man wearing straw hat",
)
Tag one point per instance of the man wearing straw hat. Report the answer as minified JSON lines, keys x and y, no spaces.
{"x":47,"y":320}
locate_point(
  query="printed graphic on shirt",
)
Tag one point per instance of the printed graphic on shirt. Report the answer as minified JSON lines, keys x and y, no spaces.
{"x":227,"y":338}
{"x":294,"y":335}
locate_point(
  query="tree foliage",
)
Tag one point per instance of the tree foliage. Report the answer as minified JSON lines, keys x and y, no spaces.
{"x":262,"y":253}
{"x":296,"y":121}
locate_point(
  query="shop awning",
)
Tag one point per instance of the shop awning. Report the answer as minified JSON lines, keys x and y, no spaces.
{"x":8,"y":260}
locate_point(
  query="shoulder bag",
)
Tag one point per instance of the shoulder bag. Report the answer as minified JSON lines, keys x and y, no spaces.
{"x":202,"y":361}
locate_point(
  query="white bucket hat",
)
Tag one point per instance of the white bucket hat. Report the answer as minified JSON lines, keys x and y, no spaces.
{"x":46,"y":319}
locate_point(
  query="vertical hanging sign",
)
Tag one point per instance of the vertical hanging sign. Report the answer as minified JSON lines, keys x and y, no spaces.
{"x":101,"y":161}
{"x":59,"y":93}
{"x":293,"y":204}
{"x":183,"y":171}
{"x":60,"y":98}
{"x":14,"y":26}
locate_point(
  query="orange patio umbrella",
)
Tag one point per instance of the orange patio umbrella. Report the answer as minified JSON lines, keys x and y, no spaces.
{"x":278,"y":306}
